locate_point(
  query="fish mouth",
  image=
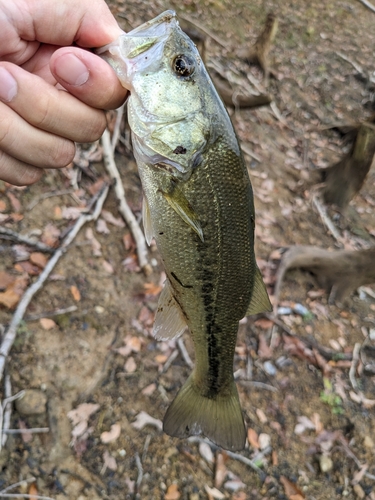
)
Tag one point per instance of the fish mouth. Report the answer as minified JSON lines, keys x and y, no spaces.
{"x":124,"y":53}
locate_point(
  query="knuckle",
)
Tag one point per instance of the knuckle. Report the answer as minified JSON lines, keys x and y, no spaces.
{"x":61,"y":153}
{"x":95,"y":127}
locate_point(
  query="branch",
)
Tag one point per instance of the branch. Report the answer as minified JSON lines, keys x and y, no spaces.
{"x":368,"y":5}
{"x":124,"y":208}
{"x":25,"y":239}
{"x":11,"y":333}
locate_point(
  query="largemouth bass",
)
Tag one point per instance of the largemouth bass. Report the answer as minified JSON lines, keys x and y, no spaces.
{"x":198,"y":205}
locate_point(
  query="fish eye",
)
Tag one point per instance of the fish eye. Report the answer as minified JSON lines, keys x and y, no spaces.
{"x":183,"y":65}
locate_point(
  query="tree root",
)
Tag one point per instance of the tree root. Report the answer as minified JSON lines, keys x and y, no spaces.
{"x":341,"y":271}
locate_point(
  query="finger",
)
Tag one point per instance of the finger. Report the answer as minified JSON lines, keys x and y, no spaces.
{"x":47,"y":108}
{"x":16,"y":172}
{"x":31,"y":145}
{"x":88,"y":77}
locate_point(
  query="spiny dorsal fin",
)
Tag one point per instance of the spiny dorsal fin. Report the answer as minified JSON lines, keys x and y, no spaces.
{"x":169,"y":323}
{"x":147,"y":224}
{"x":260,"y":301}
{"x":182,"y":207}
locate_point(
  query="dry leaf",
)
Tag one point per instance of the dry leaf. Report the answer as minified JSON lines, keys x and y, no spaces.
{"x":51,"y":235}
{"x":14,"y":292}
{"x":27,"y":267}
{"x":16,"y":205}
{"x":101,"y":227}
{"x":291,"y":489}
{"x":161,"y":358}
{"x":172,"y":492}
{"x":108,"y":268}
{"x":131,"y":263}
{"x":264,"y":350}
{"x":263,"y":323}
{"x":143,"y":419}
{"x":206,"y":452}
{"x":108,"y":217}
{"x":47,"y":323}
{"x":220,"y":470}
{"x":252,"y":437}
{"x":234,"y":484}
{"x":132,"y":344}
{"x":33,"y":492}
{"x":76,"y":293}
{"x":39,"y":259}
{"x":109,"y":461}
{"x":82,"y":412}
{"x":150,"y":389}
{"x":261,"y":415}
{"x":6,"y":279}
{"x":130,"y":365}
{"x":27,"y":437}
{"x":213,"y":493}
{"x":3,"y":206}
{"x":152,"y":289}
{"x":112,"y":435}
{"x":128,"y":242}
{"x":71,"y":213}
{"x":96,"y":246}
{"x":264,"y":440}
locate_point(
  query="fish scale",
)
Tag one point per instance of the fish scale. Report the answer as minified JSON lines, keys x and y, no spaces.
{"x":198,"y":205}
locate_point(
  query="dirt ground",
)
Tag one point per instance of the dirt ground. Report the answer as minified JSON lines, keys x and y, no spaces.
{"x":311,"y":421}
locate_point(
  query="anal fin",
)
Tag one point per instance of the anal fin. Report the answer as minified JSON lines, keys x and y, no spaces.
{"x":260,"y":301}
{"x":169,"y":323}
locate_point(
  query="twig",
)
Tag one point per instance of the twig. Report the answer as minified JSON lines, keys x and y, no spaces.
{"x":353,"y":368}
{"x":24,"y":495}
{"x":260,"y":385}
{"x":204,"y":29}
{"x":354,"y":64}
{"x":326,"y":220}
{"x":11,"y":333}
{"x":170,"y":360}
{"x":25,"y":239}
{"x":184,"y":353}
{"x":116,"y":129}
{"x":6,"y":411}
{"x":250,"y":463}
{"x":124,"y":208}
{"x":138,"y":463}
{"x":44,"y":196}
{"x":250,"y":153}
{"x":146,"y":446}
{"x":34,"y":430}
{"x":51,"y":314}
{"x":368,"y":5}
{"x":31,"y":479}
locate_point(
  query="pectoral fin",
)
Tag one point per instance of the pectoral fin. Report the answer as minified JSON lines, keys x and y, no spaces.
{"x":260,"y":301}
{"x":147,"y":225}
{"x":169,"y":322}
{"x":182,"y":207}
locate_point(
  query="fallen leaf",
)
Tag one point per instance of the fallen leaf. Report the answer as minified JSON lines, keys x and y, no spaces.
{"x":27,"y":267}
{"x":304,"y":424}
{"x":14,"y":201}
{"x":261,"y":415}
{"x":82,"y":412}
{"x":220,"y":470}
{"x":33,"y":492}
{"x":240,"y":495}
{"x":143,"y":419}
{"x":96,"y":246}
{"x":6,"y":279}
{"x":150,"y":389}
{"x":206,"y":452}
{"x":132,"y":344}
{"x":75,"y":292}
{"x":71,"y":213}
{"x":109,"y":461}
{"x":112,"y":435}
{"x":263,"y":323}
{"x":128,"y":242}
{"x":20,"y":253}
{"x":131,"y":263}
{"x":130,"y":365}
{"x":14,"y":292}
{"x":108,"y":268}
{"x":252,"y":437}
{"x":234,"y":484}
{"x":213,"y":493}
{"x":172,"y":492}
{"x":47,"y":323}
{"x":161,"y":358}
{"x":264,"y":440}
{"x":264,"y":350}
{"x":3,"y":206}
{"x":109,"y":217}
{"x":39,"y":259}
{"x":291,"y":489}
{"x":101,"y":227}
{"x":26,"y":437}
{"x":152,"y":289}
{"x":51,"y":235}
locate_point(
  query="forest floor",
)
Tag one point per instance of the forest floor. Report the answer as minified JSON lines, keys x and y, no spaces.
{"x":306,"y":384}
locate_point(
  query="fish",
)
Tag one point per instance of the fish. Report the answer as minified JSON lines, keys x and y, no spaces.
{"x":198,"y":206}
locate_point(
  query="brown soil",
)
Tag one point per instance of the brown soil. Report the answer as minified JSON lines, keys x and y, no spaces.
{"x":76,"y":361}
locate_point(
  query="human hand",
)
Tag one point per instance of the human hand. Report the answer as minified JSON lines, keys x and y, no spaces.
{"x":40,"y":121}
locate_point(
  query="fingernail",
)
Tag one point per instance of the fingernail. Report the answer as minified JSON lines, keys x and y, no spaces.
{"x":71,"y":69}
{"x":8,"y":86}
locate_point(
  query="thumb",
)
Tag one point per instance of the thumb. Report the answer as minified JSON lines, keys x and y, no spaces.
{"x":87,"y":77}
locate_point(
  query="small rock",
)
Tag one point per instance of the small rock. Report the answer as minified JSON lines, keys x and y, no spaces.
{"x":33,"y":402}
{"x":264,"y":440}
{"x":369,"y":443}
{"x":325,"y":463}
{"x":358,"y":490}
{"x":269,"y":368}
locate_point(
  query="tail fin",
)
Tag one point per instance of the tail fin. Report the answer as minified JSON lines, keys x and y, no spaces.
{"x":219,"y":419}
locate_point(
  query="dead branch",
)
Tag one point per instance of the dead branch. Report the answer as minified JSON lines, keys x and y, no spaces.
{"x":368,"y":5}
{"x":205,"y":30}
{"x":117,"y":127}
{"x":258,"y":54}
{"x":6,"y":411}
{"x":11,"y":333}
{"x":344,"y":179}
{"x":124,"y":208}
{"x":327,"y":221}
{"x":25,"y":239}
{"x":233,"y":98}
{"x":341,"y":271}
